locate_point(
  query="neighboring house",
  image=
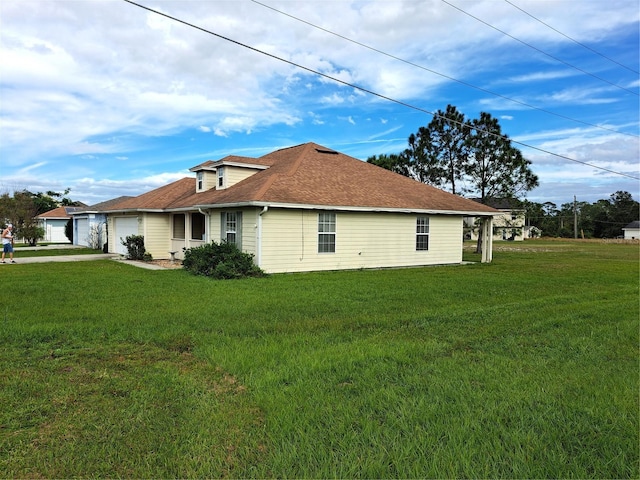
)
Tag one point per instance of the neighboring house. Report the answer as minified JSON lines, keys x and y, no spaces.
{"x":90,"y":224}
{"x":302,"y":208}
{"x":632,"y":231}
{"x":509,"y":225}
{"x":531,"y":231}
{"x":54,"y":223}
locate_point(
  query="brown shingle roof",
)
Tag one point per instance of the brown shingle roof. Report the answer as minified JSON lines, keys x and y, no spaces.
{"x":60,"y":212}
{"x":311,"y":174}
{"x":160,"y":198}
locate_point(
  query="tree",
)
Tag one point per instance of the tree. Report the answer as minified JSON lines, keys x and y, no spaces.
{"x":446,"y":148}
{"x":495,"y":168}
{"x":614,"y":214}
{"x":68,"y":230}
{"x":471,"y":157}
{"x":437,"y":153}
{"x":393,"y":162}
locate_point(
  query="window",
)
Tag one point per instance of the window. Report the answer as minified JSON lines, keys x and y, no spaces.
{"x":231,"y":227}
{"x":197,"y":226}
{"x":200,"y":180}
{"x":326,"y":233}
{"x":178,"y":225}
{"x":220,"y":177}
{"x":422,"y":233}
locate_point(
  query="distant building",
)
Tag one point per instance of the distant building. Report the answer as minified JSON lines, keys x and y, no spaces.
{"x":632,"y":231}
{"x":508,"y":226}
{"x":54,"y":223}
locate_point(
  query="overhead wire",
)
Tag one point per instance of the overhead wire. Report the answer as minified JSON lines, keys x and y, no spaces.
{"x":539,"y":50}
{"x":362,"y":89}
{"x":573,"y":39}
{"x":422,"y":67}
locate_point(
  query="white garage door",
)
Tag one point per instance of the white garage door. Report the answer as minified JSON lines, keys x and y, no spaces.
{"x":124,"y":226}
{"x":55,"y":233}
{"x":82,"y":232}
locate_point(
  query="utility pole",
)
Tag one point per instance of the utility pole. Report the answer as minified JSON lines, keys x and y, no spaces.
{"x":575,"y":218}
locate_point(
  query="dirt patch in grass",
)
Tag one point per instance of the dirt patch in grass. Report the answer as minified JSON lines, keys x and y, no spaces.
{"x":167,"y":263}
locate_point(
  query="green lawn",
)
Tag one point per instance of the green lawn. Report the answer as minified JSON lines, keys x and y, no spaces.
{"x":526,"y":367}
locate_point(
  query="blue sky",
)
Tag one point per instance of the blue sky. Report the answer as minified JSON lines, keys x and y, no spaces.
{"x":108,"y":99}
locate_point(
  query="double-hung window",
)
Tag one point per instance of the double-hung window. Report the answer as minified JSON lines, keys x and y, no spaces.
{"x":422,"y":233}
{"x":326,"y":233}
{"x":231,"y":227}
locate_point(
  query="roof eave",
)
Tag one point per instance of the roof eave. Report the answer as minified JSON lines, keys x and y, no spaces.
{"x":261,"y":204}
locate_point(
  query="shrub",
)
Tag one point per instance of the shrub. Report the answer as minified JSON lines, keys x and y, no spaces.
{"x":221,"y":261}
{"x":135,"y":248}
{"x":68,"y":230}
{"x":31,"y":234}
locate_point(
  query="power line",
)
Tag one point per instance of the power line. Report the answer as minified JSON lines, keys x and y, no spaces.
{"x":362,"y":89}
{"x":573,"y":39}
{"x":539,"y":50}
{"x":440,"y":74}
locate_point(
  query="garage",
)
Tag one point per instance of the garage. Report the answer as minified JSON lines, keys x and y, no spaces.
{"x":124,"y":227}
{"x":54,"y":231}
{"x":82,"y":232}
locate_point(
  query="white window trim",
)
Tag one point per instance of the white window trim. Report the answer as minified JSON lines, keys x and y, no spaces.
{"x":420,"y":234}
{"x":334,"y":233}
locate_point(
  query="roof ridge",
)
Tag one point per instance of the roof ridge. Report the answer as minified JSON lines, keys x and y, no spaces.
{"x":296,"y":164}
{"x":266,"y":186}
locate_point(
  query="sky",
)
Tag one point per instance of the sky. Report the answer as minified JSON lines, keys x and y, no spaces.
{"x":108,"y":99}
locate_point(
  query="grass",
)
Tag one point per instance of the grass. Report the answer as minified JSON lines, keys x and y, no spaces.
{"x":526,"y":367}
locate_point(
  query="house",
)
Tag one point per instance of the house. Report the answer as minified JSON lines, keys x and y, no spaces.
{"x":508,"y":225}
{"x":90,"y":224}
{"x":302,"y":208}
{"x":54,"y":223}
{"x":632,"y":231}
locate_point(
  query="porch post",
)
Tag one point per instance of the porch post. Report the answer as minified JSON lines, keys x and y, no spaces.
{"x":487,"y":239}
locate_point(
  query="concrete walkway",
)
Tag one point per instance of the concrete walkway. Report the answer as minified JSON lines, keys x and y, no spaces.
{"x":71,"y":258}
{"x":60,"y":258}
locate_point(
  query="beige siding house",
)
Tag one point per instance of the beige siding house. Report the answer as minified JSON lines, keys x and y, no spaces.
{"x":303,"y":208}
{"x":508,"y":225}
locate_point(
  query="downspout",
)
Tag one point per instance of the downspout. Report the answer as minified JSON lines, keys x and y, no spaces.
{"x":259,"y":239}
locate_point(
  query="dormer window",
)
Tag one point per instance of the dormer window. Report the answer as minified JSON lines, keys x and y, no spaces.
{"x":200,"y":181}
{"x":220,"y":177}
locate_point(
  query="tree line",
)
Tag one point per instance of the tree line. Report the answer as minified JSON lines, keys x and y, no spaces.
{"x":604,"y":218}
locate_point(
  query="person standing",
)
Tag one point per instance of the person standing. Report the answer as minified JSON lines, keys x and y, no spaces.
{"x":7,"y":243}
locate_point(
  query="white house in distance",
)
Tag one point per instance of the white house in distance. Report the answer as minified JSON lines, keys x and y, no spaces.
{"x":54,"y":223}
{"x":632,"y":231}
{"x":508,"y":225}
{"x":302,"y":208}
